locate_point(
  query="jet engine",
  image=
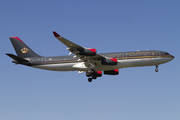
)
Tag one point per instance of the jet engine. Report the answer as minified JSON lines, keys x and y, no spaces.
{"x":112,"y":72}
{"x":98,"y":74}
{"x":109,"y":61}
{"x":88,"y":52}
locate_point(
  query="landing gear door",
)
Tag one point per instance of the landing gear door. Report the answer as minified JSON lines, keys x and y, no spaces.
{"x":158,"y":54}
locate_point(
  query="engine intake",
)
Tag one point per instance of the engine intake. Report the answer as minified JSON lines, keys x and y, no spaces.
{"x":88,"y":52}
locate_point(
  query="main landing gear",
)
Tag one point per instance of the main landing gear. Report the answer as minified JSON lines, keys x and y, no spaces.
{"x":156,"y":70}
{"x":91,"y":74}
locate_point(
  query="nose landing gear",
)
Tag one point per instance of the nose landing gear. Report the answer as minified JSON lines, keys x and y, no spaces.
{"x":156,"y":70}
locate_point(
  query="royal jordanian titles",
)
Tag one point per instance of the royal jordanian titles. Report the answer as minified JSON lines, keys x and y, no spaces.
{"x":86,"y":59}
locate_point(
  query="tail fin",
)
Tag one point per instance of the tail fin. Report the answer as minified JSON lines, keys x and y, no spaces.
{"x":22,"y":50}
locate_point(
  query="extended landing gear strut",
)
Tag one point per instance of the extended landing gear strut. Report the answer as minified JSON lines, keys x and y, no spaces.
{"x":156,"y":68}
{"x":91,"y":74}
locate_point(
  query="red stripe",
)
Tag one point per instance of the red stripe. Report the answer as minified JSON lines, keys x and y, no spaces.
{"x":93,"y":50}
{"x":17,"y":39}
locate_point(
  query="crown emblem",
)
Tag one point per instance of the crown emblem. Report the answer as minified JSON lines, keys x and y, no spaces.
{"x":24,"y":50}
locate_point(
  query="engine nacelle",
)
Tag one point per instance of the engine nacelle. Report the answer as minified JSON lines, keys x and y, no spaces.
{"x":112,"y":72}
{"x":98,"y":73}
{"x":88,"y":52}
{"x":110,"y":61}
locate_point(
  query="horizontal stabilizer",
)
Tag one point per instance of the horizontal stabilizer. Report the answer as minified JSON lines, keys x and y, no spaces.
{"x":18,"y":59}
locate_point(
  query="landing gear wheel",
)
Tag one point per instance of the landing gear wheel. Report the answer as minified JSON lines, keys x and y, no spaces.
{"x":156,"y":68}
{"x":90,"y":79}
{"x":92,"y":71}
{"x":91,"y":74}
{"x":88,"y":74}
{"x":94,"y":77}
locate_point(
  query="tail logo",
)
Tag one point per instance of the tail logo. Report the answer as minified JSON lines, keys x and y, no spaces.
{"x":24,"y":50}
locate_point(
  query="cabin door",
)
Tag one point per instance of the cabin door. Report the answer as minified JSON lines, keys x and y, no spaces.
{"x":158,"y":54}
{"x":124,"y":56}
{"x":43,"y":60}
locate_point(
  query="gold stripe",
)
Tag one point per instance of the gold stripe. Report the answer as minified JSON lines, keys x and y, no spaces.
{"x":134,"y":57}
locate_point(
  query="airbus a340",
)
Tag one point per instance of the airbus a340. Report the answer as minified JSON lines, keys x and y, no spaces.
{"x":86,"y":59}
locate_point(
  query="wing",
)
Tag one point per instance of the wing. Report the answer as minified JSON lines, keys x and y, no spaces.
{"x":88,"y":55}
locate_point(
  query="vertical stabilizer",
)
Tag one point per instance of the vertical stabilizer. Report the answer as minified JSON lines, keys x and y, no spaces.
{"x":22,"y":49}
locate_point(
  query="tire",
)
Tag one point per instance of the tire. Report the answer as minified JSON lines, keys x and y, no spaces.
{"x":94,"y":77}
{"x":88,"y":74}
{"x":90,"y":79}
{"x":92,"y":71}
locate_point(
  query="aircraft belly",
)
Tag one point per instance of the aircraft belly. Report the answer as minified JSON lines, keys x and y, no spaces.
{"x":110,"y":67}
{"x":145,"y":61}
{"x":56,"y":67}
{"x":138,"y":62}
{"x":80,"y":66}
{"x":161,"y":60}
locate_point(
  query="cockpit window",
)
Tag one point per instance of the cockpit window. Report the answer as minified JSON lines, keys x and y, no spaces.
{"x":166,"y":53}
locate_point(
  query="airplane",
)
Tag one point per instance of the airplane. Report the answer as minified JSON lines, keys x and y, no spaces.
{"x":86,"y":60}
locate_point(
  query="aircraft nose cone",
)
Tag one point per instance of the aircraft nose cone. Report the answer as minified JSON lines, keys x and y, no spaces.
{"x":172,"y":57}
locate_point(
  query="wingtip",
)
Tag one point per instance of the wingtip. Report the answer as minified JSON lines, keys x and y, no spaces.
{"x":56,"y":34}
